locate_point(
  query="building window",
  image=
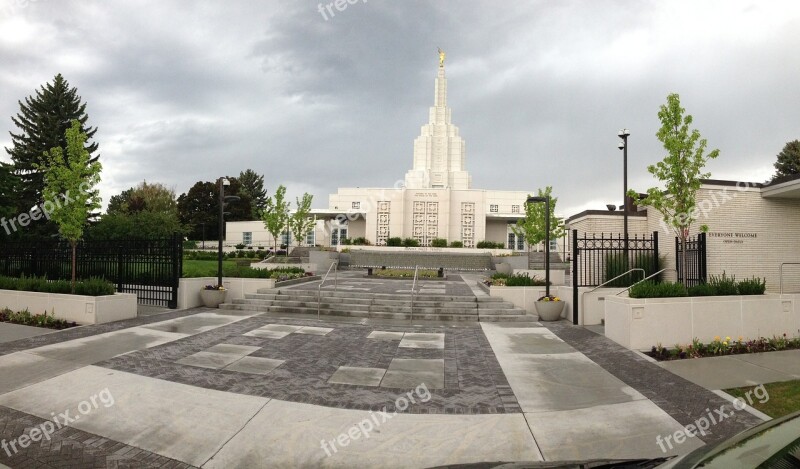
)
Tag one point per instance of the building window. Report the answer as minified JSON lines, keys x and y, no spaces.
{"x":286,"y":238}
{"x":311,"y":238}
{"x":553,"y":245}
{"x":493,"y":208}
{"x":515,"y":209}
{"x":356,"y":205}
{"x":520,"y":243}
{"x":338,"y":235}
{"x":247,"y":237}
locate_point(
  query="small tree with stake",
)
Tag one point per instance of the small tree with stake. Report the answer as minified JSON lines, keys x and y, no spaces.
{"x":301,"y":222}
{"x":532,"y":227}
{"x":276,"y":214}
{"x":69,"y":186}
{"x":680,"y":171}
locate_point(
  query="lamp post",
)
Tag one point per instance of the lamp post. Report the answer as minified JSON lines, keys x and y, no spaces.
{"x":222,"y":201}
{"x":546,"y":201}
{"x":623,"y":145}
{"x":204,"y":235}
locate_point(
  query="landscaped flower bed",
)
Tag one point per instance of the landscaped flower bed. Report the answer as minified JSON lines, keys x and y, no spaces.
{"x":724,"y":346}
{"x":25,"y":318}
{"x":517,"y":280}
{"x":400,"y":273}
{"x":720,"y":285}
{"x":90,"y":287}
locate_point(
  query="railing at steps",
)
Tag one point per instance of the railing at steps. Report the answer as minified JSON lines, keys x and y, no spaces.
{"x":647,"y":278}
{"x":607,"y":282}
{"x":334,"y":266}
{"x":783,"y":264}
{"x":413,"y":287}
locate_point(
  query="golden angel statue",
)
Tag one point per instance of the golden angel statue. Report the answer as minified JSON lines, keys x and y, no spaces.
{"x":441,"y":57}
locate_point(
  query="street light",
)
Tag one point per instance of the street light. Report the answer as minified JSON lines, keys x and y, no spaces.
{"x":623,"y":145}
{"x":222,"y":201}
{"x":546,"y":201}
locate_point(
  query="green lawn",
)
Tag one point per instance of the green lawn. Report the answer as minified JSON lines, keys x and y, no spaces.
{"x":784,"y":398}
{"x":204,"y":268}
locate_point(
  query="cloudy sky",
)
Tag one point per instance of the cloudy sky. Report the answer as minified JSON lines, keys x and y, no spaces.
{"x":183,"y":91}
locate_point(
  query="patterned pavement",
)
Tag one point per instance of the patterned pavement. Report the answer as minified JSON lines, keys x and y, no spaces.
{"x":473,"y":380}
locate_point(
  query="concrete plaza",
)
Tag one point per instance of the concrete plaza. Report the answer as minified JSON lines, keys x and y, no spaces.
{"x":215,"y":388}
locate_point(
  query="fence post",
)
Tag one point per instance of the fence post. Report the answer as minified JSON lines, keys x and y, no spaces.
{"x":678,"y":268}
{"x":655,"y":252}
{"x":119,"y":267}
{"x":177,"y":261}
{"x":701,"y":261}
{"x":575,"y":277}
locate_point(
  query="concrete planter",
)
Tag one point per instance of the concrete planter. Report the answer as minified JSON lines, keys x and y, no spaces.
{"x":189,"y":289}
{"x":78,"y":308}
{"x":640,"y":324}
{"x":212,"y":298}
{"x":522,"y":297}
{"x":549,"y":310}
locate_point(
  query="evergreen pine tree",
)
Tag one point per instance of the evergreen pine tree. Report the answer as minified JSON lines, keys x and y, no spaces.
{"x":788,"y":160}
{"x":43,"y":121}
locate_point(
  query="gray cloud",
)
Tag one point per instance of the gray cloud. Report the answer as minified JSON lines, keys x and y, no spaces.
{"x":185,"y":91}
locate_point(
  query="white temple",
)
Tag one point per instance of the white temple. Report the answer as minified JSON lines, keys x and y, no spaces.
{"x":436,"y":199}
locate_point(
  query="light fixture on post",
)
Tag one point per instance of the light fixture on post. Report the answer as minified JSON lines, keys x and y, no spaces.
{"x":223,"y":200}
{"x":546,"y":201}
{"x":623,"y":145}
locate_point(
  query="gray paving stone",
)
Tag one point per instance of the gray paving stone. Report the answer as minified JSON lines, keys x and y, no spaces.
{"x":209,"y":360}
{"x":314,"y":330}
{"x":267,"y":334}
{"x":385,"y":335}
{"x":357,"y":376}
{"x":422,"y":340}
{"x":408,"y":373}
{"x":231,"y":349}
{"x":254,"y":365}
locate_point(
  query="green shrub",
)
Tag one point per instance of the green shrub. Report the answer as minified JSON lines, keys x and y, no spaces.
{"x":439,"y":243}
{"x":499,"y":275}
{"x":650,"y":289}
{"x":615,"y":265}
{"x":702,"y":289}
{"x":251,"y":254}
{"x":346,"y":242}
{"x":523,"y":280}
{"x":723,"y":286}
{"x":361,"y":241}
{"x":410,"y":243}
{"x":94,"y":287}
{"x":25,"y":318}
{"x":90,"y":287}
{"x":190,"y":244}
{"x":240,"y":246}
{"x":397,"y":241}
{"x":456,"y":244}
{"x":753,"y":286}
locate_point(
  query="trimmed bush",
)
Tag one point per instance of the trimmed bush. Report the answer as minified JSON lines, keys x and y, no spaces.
{"x":753,"y":286}
{"x":523,"y":280}
{"x":396,"y":242}
{"x":702,"y":289}
{"x":240,"y":246}
{"x":89,"y":287}
{"x":490,"y":245}
{"x":439,"y":243}
{"x":361,"y":241}
{"x":651,"y":289}
{"x":456,"y":244}
{"x":410,"y":243}
{"x":190,"y":244}
{"x":722,"y":285}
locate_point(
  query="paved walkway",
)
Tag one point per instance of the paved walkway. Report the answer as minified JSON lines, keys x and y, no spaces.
{"x":734,"y":371}
{"x":11,"y":332}
{"x":215,"y":388}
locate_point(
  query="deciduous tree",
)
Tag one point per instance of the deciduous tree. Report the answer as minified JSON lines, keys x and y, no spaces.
{"x":301,"y":222}
{"x":681,"y":172}
{"x":788,"y":163}
{"x":533,"y":226}
{"x":69,"y":184}
{"x":276,"y":214}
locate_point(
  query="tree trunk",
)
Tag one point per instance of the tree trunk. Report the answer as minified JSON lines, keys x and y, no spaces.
{"x":74,"y":263}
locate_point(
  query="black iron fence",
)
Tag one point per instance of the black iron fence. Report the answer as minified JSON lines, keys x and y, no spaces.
{"x":696,"y":267}
{"x":150,"y":268}
{"x":597,"y":259}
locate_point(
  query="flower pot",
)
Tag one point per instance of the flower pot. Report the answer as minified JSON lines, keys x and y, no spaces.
{"x":212,"y":298}
{"x":549,"y":310}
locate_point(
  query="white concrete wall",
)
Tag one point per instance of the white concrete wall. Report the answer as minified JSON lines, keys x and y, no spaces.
{"x":521,"y":297}
{"x":642,"y":323}
{"x":189,"y":288}
{"x":78,"y":308}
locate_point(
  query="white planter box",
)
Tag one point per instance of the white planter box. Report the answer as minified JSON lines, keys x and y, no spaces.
{"x":556,"y":276}
{"x":77,"y":308}
{"x":189,"y":288}
{"x":641,"y":323}
{"x":522,"y":297}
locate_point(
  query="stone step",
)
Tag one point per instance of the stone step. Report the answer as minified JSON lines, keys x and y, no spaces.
{"x":355,"y":314}
{"x":510,"y":318}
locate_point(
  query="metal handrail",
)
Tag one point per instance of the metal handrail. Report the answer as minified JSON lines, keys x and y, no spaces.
{"x":781,"y":272}
{"x":609,"y":281}
{"x":646,"y":278}
{"x":334,"y":266}
{"x":413,"y":287}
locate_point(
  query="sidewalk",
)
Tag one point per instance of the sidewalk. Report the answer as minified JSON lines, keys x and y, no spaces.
{"x":11,"y":332}
{"x":735,"y":371}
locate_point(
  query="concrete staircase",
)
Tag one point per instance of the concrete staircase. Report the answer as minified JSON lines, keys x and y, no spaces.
{"x":536,"y":261}
{"x":427,"y":260}
{"x":381,"y":306}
